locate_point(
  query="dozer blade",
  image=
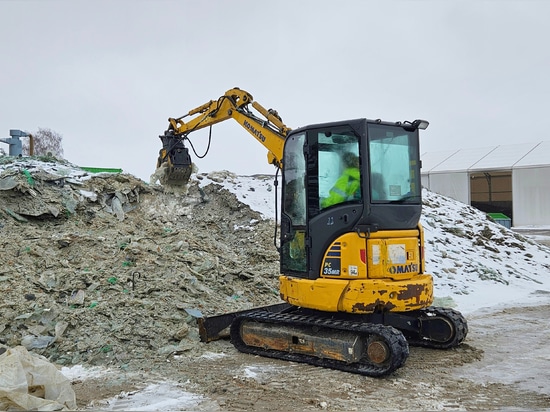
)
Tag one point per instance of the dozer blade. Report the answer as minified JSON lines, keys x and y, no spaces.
{"x":217,"y":327}
{"x":363,"y":348}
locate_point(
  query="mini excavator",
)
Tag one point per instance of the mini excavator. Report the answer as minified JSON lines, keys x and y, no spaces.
{"x":352,"y":279}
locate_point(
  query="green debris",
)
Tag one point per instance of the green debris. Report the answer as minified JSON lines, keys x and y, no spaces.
{"x":106,"y":348}
{"x":16,"y":216}
{"x":30,"y":180}
{"x":101,"y":169}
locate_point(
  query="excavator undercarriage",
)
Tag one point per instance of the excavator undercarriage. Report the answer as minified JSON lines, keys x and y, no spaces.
{"x":372,"y":345}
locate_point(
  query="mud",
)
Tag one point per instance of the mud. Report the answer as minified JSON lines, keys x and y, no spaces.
{"x":485,"y":373}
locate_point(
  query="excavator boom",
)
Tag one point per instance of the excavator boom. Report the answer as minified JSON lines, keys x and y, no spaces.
{"x":265,"y":125}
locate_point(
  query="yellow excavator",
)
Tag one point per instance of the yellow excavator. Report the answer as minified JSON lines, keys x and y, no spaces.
{"x":352,"y":279}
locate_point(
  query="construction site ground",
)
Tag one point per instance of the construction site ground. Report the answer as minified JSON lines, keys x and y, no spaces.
{"x":109,"y":272}
{"x":431,"y":380}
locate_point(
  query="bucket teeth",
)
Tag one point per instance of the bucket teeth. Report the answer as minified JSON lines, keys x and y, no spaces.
{"x":176,"y":176}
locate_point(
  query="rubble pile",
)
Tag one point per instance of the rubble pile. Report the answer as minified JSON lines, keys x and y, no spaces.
{"x":106,"y":269}
{"x":109,"y":270}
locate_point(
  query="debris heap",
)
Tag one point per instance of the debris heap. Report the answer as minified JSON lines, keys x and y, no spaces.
{"x":106,"y":269}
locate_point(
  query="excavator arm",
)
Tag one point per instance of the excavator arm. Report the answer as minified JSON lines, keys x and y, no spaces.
{"x":265,"y":125}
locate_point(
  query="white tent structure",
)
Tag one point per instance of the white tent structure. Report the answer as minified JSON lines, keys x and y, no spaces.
{"x":510,"y":179}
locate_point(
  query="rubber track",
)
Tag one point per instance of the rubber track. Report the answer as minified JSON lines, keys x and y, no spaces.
{"x":394,"y":339}
{"x":459,"y":325}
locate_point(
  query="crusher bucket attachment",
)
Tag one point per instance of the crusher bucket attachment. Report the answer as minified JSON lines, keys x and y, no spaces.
{"x":174,"y":163}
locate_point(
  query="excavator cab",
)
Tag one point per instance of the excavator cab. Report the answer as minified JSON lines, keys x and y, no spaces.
{"x":351,"y":207}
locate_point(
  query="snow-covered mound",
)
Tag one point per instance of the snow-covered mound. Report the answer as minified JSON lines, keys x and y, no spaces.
{"x":256,"y":191}
{"x":55,"y":167}
{"x":477,"y":262}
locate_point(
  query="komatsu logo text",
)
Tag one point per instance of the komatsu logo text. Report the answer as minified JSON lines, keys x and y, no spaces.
{"x":254,"y":131}
{"x":413,"y":267}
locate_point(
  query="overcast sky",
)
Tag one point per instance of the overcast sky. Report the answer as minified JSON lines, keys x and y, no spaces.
{"x":106,"y":75}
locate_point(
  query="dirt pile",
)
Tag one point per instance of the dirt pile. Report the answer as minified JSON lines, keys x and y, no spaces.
{"x":108,"y":270}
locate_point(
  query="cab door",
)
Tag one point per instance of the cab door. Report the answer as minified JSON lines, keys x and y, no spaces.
{"x":322,"y":194}
{"x":336,"y":192}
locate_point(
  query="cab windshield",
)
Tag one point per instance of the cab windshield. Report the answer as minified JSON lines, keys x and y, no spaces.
{"x":394,"y":164}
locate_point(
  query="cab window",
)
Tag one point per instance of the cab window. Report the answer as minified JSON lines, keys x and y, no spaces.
{"x":339,"y":169}
{"x":393,"y":165}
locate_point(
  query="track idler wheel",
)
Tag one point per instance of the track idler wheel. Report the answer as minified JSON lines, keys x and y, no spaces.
{"x":377,"y":352}
{"x":439,"y":328}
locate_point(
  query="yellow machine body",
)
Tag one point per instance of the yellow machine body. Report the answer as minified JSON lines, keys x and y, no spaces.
{"x":366,"y":274}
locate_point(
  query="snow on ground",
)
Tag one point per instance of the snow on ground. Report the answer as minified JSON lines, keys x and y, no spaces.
{"x":157,"y":396}
{"x":163,"y":396}
{"x":258,"y":191}
{"x":54,"y":167}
